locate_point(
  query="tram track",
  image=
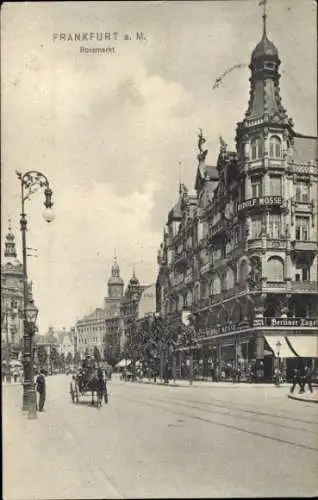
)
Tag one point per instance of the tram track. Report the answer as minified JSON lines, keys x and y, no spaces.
{"x":165,"y":405}
{"x":245,"y":408}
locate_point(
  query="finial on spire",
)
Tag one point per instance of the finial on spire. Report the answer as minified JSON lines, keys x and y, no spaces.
{"x":9,"y":225}
{"x":264,"y":3}
{"x":201,"y":140}
{"x":180,"y":177}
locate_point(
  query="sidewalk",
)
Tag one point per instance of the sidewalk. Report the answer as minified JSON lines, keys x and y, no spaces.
{"x":308,"y":397}
{"x":209,"y":384}
{"x":42,"y":458}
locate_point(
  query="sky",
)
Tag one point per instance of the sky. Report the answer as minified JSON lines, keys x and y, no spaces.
{"x":111,"y":130}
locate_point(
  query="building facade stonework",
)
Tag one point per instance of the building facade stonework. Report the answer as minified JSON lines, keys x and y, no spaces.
{"x":241,"y":252}
{"x":12,"y":301}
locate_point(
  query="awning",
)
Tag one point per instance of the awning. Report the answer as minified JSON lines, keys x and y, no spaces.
{"x":278,"y":344}
{"x":123,"y":363}
{"x":305,"y":346}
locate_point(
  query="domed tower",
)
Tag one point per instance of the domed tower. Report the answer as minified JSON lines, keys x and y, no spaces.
{"x":115,"y":283}
{"x":134,"y":286}
{"x":265,"y":114}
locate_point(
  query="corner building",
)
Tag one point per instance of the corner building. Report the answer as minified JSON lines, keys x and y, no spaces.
{"x":242,"y":253}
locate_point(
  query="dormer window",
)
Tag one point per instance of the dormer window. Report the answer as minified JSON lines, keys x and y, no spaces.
{"x":275,"y":147}
{"x":256,"y":148}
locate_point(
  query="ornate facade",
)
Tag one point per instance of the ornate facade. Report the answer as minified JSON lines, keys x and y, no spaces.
{"x":11,"y":299}
{"x":112,"y":307}
{"x":129,"y":309}
{"x":242,"y":252}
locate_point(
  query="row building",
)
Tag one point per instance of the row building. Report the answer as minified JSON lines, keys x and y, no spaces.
{"x":240,"y":250}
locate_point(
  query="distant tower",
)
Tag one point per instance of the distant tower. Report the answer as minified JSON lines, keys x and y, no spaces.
{"x":115,"y":283}
{"x":9,"y":245}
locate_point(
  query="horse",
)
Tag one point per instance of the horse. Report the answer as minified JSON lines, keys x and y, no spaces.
{"x":93,"y":382}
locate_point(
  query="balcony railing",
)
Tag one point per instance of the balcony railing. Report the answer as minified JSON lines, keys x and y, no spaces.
{"x":304,"y":246}
{"x":304,"y":286}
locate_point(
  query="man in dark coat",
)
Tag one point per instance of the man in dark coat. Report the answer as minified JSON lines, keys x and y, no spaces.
{"x":297,"y":380}
{"x":307,"y":378}
{"x":41,"y":389}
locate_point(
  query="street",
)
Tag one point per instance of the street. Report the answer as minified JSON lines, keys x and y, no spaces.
{"x":161,"y":441}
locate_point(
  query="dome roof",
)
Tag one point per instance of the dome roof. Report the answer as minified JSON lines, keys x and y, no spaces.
{"x":115,"y":278}
{"x":134,"y":280}
{"x":264,"y":48}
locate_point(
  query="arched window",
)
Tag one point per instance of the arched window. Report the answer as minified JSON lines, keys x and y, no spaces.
{"x":229,"y":281}
{"x":197,"y":293}
{"x":275,"y":147}
{"x":243,"y":272}
{"x":216,"y":285}
{"x":189,"y":299}
{"x":275,"y":269}
{"x":256,"y":148}
{"x":180,"y":302}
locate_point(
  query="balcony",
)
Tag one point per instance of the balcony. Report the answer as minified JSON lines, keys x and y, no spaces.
{"x":205,"y":268}
{"x":188,"y":278}
{"x":217,"y":229}
{"x":181,"y":259}
{"x":304,"y":286}
{"x":304,"y":246}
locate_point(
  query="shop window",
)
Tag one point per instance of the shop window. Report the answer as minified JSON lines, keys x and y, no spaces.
{"x":275,"y":185}
{"x":274,"y":226}
{"x":257,"y":148}
{"x":302,"y":228}
{"x":275,"y":147}
{"x":257,"y":186}
{"x":302,"y":192}
{"x":275,"y":269}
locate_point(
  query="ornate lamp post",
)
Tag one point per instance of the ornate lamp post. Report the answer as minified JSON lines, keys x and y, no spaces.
{"x":30,"y":182}
{"x":278,"y":346}
{"x":31,"y":314}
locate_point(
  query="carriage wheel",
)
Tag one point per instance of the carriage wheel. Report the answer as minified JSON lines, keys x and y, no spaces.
{"x":76,"y":394}
{"x":105,"y":394}
{"x":72,"y":392}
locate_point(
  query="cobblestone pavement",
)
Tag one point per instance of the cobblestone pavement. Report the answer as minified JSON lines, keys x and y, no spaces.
{"x":156,"y":441}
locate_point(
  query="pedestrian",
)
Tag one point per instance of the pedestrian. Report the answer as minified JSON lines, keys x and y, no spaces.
{"x":296,"y":380}
{"x":307,"y":379}
{"x":41,"y":389}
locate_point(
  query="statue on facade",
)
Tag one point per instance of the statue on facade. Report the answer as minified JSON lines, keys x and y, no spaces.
{"x":202,"y":152}
{"x":223,"y":145}
{"x":255,"y":274}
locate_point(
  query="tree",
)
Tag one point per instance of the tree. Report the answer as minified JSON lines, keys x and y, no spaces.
{"x":54,"y":358}
{"x":42,"y":355}
{"x":77,"y":358}
{"x":96,"y":354}
{"x":62,"y":360}
{"x":69,"y":358}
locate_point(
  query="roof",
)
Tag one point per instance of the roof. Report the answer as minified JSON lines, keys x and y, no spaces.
{"x":305,"y":148}
{"x":175,"y":212}
{"x":212,"y":172}
{"x":264,"y":48}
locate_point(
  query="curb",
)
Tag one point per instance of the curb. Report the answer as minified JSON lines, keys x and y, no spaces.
{"x":217,"y":385}
{"x":299,"y":398}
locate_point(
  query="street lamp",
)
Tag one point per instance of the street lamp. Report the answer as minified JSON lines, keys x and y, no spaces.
{"x":30,"y":182}
{"x":278,"y":346}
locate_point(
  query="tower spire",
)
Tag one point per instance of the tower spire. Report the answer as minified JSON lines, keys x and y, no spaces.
{"x":264,"y":3}
{"x":9,"y":246}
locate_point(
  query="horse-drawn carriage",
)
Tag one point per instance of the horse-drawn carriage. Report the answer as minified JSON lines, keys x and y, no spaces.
{"x":89,"y":379}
